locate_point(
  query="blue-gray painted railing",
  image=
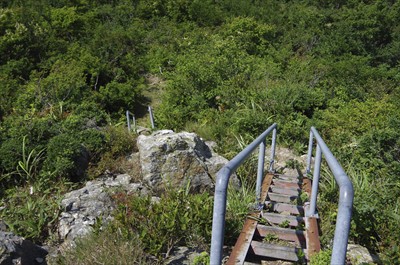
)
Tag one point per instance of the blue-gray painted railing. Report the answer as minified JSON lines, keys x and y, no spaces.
{"x":221,"y":186}
{"x":346,"y":194}
{"x":151,"y":117}
{"x":128,"y":121}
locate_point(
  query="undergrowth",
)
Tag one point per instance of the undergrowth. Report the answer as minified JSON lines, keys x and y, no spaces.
{"x":178,"y":218}
{"x":104,"y":247}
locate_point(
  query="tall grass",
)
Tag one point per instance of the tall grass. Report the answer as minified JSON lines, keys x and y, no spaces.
{"x":105,"y":247}
{"x":375,"y":217}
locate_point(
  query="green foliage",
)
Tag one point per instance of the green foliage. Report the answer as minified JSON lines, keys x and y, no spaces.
{"x":230,"y":68}
{"x":66,"y":157}
{"x":10,"y":152}
{"x":271,"y":238}
{"x":32,"y":211}
{"x":202,"y":259}
{"x":177,"y":218}
{"x":28,"y":166}
{"x":102,"y":248}
{"x":118,"y":96}
{"x":87,"y":115}
{"x":285,"y":224}
{"x":321,"y":258}
{"x":239,"y":202}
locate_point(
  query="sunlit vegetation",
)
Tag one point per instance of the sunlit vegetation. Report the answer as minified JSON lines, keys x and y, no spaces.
{"x":69,"y":70}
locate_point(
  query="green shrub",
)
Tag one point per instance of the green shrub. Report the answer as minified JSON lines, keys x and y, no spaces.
{"x":32,"y":211}
{"x":202,"y":259}
{"x":239,"y":203}
{"x":86,"y":115}
{"x":104,"y":247}
{"x":119,"y":96}
{"x":94,"y":141}
{"x":321,"y":258}
{"x":118,"y":145}
{"x":66,"y":157}
{"x":178,"y":218}
{"x":10,"y":153}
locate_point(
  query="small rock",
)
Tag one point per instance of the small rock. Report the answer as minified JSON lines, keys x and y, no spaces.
{"x":91,"y":204}
{"x":360,"y":255}
{"x":17,"y":250}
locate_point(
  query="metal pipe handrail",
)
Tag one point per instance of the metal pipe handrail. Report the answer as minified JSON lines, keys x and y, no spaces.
{"x":151,"y":117}
{"x":128,"y":121}
{"x":221,"y":186}
{"x":346,"y":195}
{"x":129,"y":114}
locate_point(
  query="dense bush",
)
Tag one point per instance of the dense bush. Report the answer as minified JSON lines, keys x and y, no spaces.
{"x":178,"y":218}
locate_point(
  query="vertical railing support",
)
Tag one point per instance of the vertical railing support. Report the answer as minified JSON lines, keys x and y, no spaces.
{"x":273,"y":146}
{"x":260,"y":170}
{"x":309,"y":153}
{"x":134,"y":123}
{"x":151,"y":117}
{"x":314,"y":191}
{"x":128,"y":120}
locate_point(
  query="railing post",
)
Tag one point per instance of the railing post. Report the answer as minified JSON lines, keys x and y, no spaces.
{"x":260,"y":171}
{"x":128,"y":120}
{"x":218,"y":225}
{"x":309,"y":153}
{"x":314,"y":192}
{"x":134,"y":123}
{"x":343,"y":220}
{"x":273,"y":145}
{"x":151,"y":117}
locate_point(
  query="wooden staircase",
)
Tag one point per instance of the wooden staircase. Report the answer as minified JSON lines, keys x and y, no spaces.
{"x":279,"y":231}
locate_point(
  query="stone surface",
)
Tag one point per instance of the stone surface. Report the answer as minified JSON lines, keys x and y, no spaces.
{"x":282,"y":157}
{"x":173,"y":159}
{"x":183,"y":256}
{"x":83,"y":208}
{"x":17,"y":250}
{"x":360,"y":255}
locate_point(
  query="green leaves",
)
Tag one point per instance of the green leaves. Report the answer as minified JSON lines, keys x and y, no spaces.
{"x":177,"y":218}
{"x":32,"y":211}
{"x":28,"y":168}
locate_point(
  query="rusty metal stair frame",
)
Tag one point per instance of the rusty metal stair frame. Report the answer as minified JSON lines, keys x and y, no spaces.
{"x":262,"y":236}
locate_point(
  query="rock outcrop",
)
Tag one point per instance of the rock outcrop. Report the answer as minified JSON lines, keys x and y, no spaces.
{"x":282,"y":157}
{"x":17,"y":250}
{"x":359,"y":255}
{"x":85,"y":207}
{"x":174,"y":159}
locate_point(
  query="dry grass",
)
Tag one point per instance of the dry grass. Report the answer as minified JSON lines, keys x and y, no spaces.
{"x":103,"y":248}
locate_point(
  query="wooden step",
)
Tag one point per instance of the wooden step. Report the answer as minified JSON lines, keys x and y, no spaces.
{"x":288,"y":178}
{"x":265,"y":250}
{"x":297,"y":237}
{"x":280,"y":190}
{"x":280,"y":207}
{"x":281,"y":219}
{"x":286,"y":184}
{"x":282,"y":197}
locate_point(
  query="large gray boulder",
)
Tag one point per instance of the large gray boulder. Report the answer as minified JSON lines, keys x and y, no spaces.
{"x":85,"y":207}
{"x":17,"y":250}
{"x":176,"y":159}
